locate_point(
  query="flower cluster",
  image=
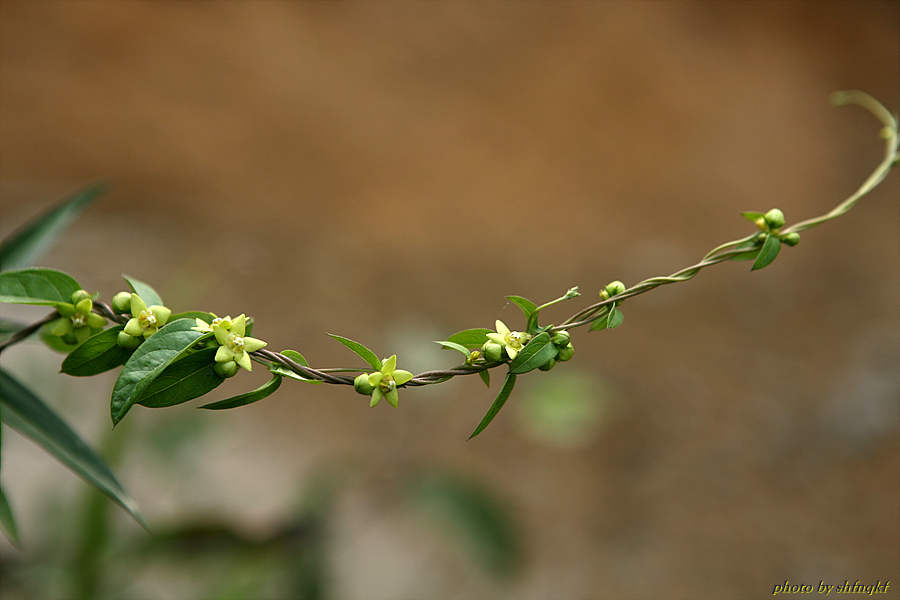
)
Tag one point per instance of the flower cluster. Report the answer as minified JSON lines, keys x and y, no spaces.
{"x":234,"y":345}
{"x":144,"y":321}
{"x":77,"y":321}
{"x":503,"y":341}
{"x":383,"y":383}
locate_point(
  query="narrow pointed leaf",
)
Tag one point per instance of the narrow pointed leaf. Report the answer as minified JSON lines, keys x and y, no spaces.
{"x":37,"y":286}
{"x":527,"y":306}
{"x":27,"y":414}
{"x":185,"y":379}
{"x":147,"y":293}
{"x":28,"y":243}
{"x":537,"y":352}
{"x":501,"y":399}
{"x":149,"y":360}
{"x":473,"y":339}
{"x":485,"y":377}
{"x":454,"y":346}
{"x":363,"y":352}
{"x":249,"y":398}
{"x":97,"y":354}
{"x":769,"y":251}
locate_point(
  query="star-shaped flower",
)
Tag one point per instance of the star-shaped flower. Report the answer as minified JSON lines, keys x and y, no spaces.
{"x":233,"y":345}
{"x":145,"y":321}
{"x":76,"y":320}
{"x":513,"y":341}
{"x":385,"y":382}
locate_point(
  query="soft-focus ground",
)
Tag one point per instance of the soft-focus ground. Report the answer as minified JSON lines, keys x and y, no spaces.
{"x":389,"y":172}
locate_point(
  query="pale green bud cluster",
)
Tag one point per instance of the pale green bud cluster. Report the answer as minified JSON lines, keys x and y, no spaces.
{"x":76,"y":323}
{"x":613,"y":288}
{"x":233,"y":343}
{"x":144,"y":321}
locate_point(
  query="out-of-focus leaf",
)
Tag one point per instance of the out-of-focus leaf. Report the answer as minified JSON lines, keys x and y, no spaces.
{"x":185,"y":379}
{"x":27,"y":414}
{"x":29,"y":242}
{"x":149,"y":360}
{"x":454,"y":346}
{"x":250,"y":397}
{"x":8,"y":522}
{"x":97,"y":354}
{"x":767,"y":254}
{"x":147,"y":293}
{"x":37,"y":286}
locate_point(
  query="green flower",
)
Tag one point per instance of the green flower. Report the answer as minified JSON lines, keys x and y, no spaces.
{"x":77,"y":322}
{"x":204,"y":327}
{"x":232,"y":343}
{"x":384,"y":383}
{"x":145,"y":321}
{"x":513,"y":341}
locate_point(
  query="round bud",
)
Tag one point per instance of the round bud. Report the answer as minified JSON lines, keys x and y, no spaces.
{"x":604,"y":295}
{"x":774,"y":218}
{"x":492,"y":352}
{"x":226,"y":369}
{"x":614,"y":288}
{"x":121,"y":303}
{"x":79,"y":296}
{"x":361,"y":384}
{"x":548,"y":365}
{"x":791,"y":239}
{"x":566,"y":353}
{"x":129,"y":342}
{"x":562,"y":338}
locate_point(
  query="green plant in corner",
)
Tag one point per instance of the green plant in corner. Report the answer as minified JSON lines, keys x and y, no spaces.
{"x":170,"y":358}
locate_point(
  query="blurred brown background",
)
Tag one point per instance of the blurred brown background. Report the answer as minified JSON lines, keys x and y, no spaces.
{"x":389,"y":172}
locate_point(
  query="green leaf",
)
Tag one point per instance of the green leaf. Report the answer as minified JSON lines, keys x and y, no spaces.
{"x":485,"y":377}
{"x":149,"y":360}
{"x":535,"y":353}
{"x":753,"y":216}
{"x":364,"y":353}
{"x":37,"y":286}
{"x":615,"y":318}
{"x":27,"y":414}
{"x":601,"y":321}
{"x":98,"y":353}
{"x":8,"y":522}
{"x":501,"y":399}
{"x":27,"y":244}
{"x":770,"y":250}
{"x":249,"y":398}
{"x":527,"y":306}
{"x":147,"y":293}
{"x":473,"y":339}
{"x":285,"y":372}
{"x":455,"y":346}
{"x":191,"y":314}
{"x":185,"y":379}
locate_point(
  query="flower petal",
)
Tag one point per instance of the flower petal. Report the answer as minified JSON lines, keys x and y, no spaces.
{"x":222,"y":334}
{"x":388,"y":366}
{"x":161,"y":313}
{"x":61,"y":326}
{"x":511,"y":351}
{"x":133,"y":328}
{"x":497,"y":338}
{"x":375,"y":379}
{"x":244,"y":360}
{"x":239,"y":325}
{"x":392,"y":398}
{"x":377,"y":395}
{"x":401,"y":376}
{"x":137,"y":305}
{"x":95,"y":320}
{"x":253,"y":344}
{"x":223,"y":354}
{"x":501,"y":327}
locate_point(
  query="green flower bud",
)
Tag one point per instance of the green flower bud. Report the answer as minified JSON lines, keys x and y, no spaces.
{"x":791,"y":239}
{"x":566,"y":353}
{"x":79,"y":296}
{"x":474,"y":356}
{"x":129,"y":342}
{"x":604,"y":295}
{"x":774,"y":218}
{"x":562,"y":338}
{"x":492,"y":352}
{"x":614,"y":289}
{"x":121,"y":303}
{"x":226,"y":369}
{"x":548,"y":365}
{"x":361,"y":384}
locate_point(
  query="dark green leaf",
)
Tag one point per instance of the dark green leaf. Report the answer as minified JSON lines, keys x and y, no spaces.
{"x":601,"y":321}
{"x":769,"y":251}
{"x":535,"y":353}
{"x":249,"y":398}
{"x":473,"y":339}
{"x":615,"y":318}
{"x":147,"y":293}
{"x":485,"y":377}
{"x":27,"y":414}
{"x":501,"y":399}
{"x":149,"y":360}
{"x":455,"y":346}
{"x":8,"y":522}
{"x":185,"y":379}
{"x":286,"y":372}
{"x":99,"y":353}
{"x":525,"y":304}
{"x":37,"y":286}
{"x":26,"y":245}
{"x":364,"y":353}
